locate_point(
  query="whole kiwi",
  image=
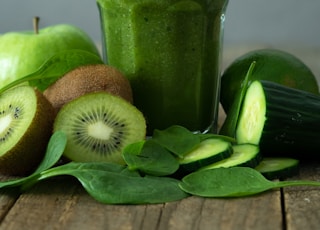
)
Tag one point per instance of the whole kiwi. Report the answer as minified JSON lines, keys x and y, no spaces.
{"x":26,"y":122}
{"x":87,"y":79}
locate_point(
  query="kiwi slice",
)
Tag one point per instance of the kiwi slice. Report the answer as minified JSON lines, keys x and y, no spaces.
{"x":98,"y":126}
{"x":86,"y":79}
{"x":26,"y":120}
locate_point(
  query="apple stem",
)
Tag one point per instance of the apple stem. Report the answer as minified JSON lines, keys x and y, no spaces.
{"x":36,"y":24}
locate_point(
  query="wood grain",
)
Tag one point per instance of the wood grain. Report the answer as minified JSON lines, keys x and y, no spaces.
{"x":61,"y":203}
{"x":301,"y":204}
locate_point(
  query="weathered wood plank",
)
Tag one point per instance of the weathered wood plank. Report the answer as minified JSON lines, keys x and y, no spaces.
{"x":302,"y":203}
{"x":36,"y":208}
{"x":63,"y":204}
{"x":8,"y":197}
{"x":258,"y":212}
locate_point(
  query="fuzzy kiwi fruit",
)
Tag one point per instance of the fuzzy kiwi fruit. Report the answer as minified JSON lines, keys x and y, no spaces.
{"x":26,"y":121}
{"x":86,"y":79}
{"x":98,"y":126}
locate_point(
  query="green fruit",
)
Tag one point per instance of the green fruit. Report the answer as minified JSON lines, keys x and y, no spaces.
{"x":26,"y":122}
{"x":98,"y":126}
{"x":22,"y":53}
{"x":272,"y":65}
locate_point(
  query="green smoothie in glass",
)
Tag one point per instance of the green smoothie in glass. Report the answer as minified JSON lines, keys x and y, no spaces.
{"x":170,"y":52}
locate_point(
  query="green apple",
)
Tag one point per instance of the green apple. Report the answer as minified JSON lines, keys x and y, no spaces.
{"x":22,"y":53}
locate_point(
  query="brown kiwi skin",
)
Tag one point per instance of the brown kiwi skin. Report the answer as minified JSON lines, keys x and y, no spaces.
{"x":86,"y":79}
{"x":27,"y":154}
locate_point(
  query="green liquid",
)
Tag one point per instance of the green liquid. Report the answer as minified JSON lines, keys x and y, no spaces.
{"x":170,"y":52}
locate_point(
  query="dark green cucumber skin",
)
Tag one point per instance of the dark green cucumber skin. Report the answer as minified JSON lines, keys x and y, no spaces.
{"x":292,"y":126}
{"x":281,"y":175}
{"x":193,"y":166}
{"x":252,"y":162}
{"x":283,"y":172}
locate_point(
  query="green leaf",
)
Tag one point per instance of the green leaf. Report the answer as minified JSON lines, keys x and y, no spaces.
{"x":130,"y":151}
{"x":114,"y":188}
{"x":55,"y":67}
{"x":232,"y":182}
{"x":151,"y":158}
{"x":113,"y":184}
{"x":230,"y":124}
{"x":225,"y":182}
{"x":55,"y":148}
{"x":71,"y":167}
{"x":176,"y":139}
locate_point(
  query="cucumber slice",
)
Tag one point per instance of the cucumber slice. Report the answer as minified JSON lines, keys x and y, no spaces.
{"x":246,"y":155}
{"x":252,"y":118}
{"x":278,"y":168}
{"x":207,"y":152}
{"x":229,"y":126}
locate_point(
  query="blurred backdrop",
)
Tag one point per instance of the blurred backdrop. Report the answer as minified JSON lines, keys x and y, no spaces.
{"x":290,"y":25}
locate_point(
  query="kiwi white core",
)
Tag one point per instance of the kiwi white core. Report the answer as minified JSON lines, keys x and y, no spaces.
{"x":100,"y":131}
{"x":5,"y":123}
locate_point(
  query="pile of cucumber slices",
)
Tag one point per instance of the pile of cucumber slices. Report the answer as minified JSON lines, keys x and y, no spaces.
{"x":221,"y":153}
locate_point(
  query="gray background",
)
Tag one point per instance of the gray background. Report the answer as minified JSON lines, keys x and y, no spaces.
{"x":291,"y":25}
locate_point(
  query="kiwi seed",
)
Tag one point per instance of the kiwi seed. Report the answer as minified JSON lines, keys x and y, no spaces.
{"x":26,"y":120}
{"x":86,"y":79}
{"x":98,"y":126}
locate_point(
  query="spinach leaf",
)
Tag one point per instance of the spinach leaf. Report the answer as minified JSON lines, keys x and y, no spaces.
{"x":233,"y":182}
{"x":151,"y":158}
{"x":113,"y":184}
{"x":71,"y":167}
{"x":55,"y":148}
{"x":55,"y":67}
{"x":176,"y":139}
{"x":114,"y":188}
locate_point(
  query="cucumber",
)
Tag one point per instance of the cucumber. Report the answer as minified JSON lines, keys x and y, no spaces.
{"x":207,"y":152}
{"x":278,"y":167}
{"x":245,"y":155}
{"x":283,"y":121}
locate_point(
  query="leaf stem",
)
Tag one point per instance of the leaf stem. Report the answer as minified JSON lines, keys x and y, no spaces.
{"x":297,"y":183}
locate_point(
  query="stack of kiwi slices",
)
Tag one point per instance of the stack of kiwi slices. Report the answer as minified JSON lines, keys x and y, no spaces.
{"x":26,"y":119}
{"x":92,"y":105}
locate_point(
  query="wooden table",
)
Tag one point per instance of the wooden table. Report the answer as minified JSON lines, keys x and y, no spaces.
{"x":61,"y":203}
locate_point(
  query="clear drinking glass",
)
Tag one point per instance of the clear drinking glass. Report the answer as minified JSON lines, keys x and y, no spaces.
{"x":170,"y":50}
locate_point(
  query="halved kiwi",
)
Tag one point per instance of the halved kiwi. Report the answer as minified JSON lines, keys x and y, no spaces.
{"x":86,"y":79}
{"x":98,"y":126}
{"x":26,"y":120}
